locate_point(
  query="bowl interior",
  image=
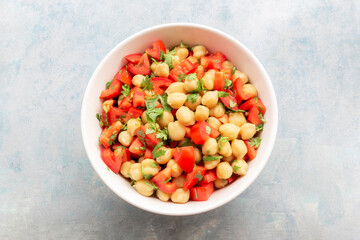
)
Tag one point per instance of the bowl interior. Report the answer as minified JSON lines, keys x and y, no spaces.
{"x":171,"y":34}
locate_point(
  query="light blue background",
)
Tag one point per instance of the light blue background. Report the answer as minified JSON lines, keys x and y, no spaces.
{"x":310,"y":188}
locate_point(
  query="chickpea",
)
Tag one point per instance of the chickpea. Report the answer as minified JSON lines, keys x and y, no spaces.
{"x":250,"y":89}
{"x":125,"y":138}
{"x":163,"y":196}
{"x":218,"y":110}
{"x":240,"y":167}
{"x":153,"y":66}
{"x":135,"y":171}
{"x":224,"y":170}
{"x":227,"y":64}
{"x":182,"y":53}
{"x":210,"y":147}
{"x":132,"y":126}
{"x":176,"y":87}
{"x":125,"y":168}
{"x":199,"y":51}
{"x":176,"y":131}
{"x":150,"y":167}
{"x":211,"y":164}
{"x":225,"y":150}
{"x":247,"y":131}
{"x":190,"y":85}
{"x":220,"y":183}
{"x":193,"y":105}
{"x":149,"y":93}
{"x":137,"y":80}
{"x":198,"y":155}
{"x":229,"y":130}
{"x":238,"y":148}
{"x":240,"y":75}
{"x":229,"y":158}
{"x":162,"y":70}
{"x":180,"y":196}
{"x":141,"y":159}
{"x":208,"y":79}
{"x":210,"y":99}
{"x":201,"y":113}
{"x":176,"y":99}
{"x":165,"y":119}
{"x":237,"y":118}
{"x":166,"y":157}
{"x":179,"y":181}
{"x":144,"y":187}
{"x":176,"y":170}
{"x":185,"y":116}
{"x":175,"y":61}
{"x":214,"y":122}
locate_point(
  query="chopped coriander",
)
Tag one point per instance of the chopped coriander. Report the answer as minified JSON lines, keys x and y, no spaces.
{"x":152,"y":75}
{"x":228,"y":84}
{"x":105,"y":109}
{"x":108,"y":84}
{"x":181,"y":78}
{"x":146,"y":84}
{"x":212,"y":158}
{"x":98,"y":116}
{"x":132,"y":181}
{"x":208,"y":129}
{"x":183,"y":45}
{"x":223,"y":94}
{"x":163,"y":100}
{"x":162,"y":134}
{"x":173,"y":52}
{"x":256,"y":99}
{"x":236,"y":168}
{"x":157,"y":153}
{"x":108,"y":168}
{"x":167,"y":180}
{"x":146,"y":176}
{"x":151,"y":102}
{"x":152,"y":185}
{"x":196,"y":196}
{"x":177,"y":148}
{"x":233,"y":70}
{"x":218,"y":61}
{"x":152,"y":114}
{"x":255,"y":142}
{"x":186,"y":142}
{"x":125,"y":90}
{"x":154,"y":60}
{"x":261,"y":117}
{"x":232,"y":104}
{"x":143,"y":148}
{"x":200,"y":87}
{"x":193,"y":97}
{"x":151,"y":129}
{"x":141,"y":135}
{"x":192,"y":76}
{"x":222,"y":139}
{"x":260,"y":127}
{"x":198,"y":176}
{"x":167,"y":58}
{"x":124,"y":127}
{"x":153,"y":164}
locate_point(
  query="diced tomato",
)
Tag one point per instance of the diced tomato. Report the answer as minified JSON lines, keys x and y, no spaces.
{"x":230,"y":102}
{"x":139,"y":99}
{"x":143,"y":67}
{"x":160,"y":181}
{"x":116,"y":146}
{"x":251,"y":151}
{"x":200,"y":70}
{"x":125,"y":154}
{"x":109,"y":134}
{"x":232,"y":178}
{"x":188,"y":132}
{"x":148,"y":154}
{"x":238,"y":87}
{"x":202,"y":193}
{"x":113,"y":162}
{"x":113,"y":91}
{"x":135,"y":89}
{"x":253,"y":115}
{"x":254,"y":101}
{"x":201,"y":131}
{"x":125,"y":103}
{"x":209,"y":176}
{"x":123,"y":76}
{"x":150,"y":139}
{"x":194,"y":61}
{"x":133,"y":113}
{"x":194,"y":176}
{"x":155,"y":52}
{"x":227,"y":72}
{"x":108,"y":104}
{"x":224,"y":119}
{"x":184,"y":67}
{"x":185,"y":158}
{"x":115,"y":114}
{"x":160,"y":84}
{"x":219,"y":81}
{"x":133,"y":58}
{"x":136,"y":148}
{"x":213,"y":61}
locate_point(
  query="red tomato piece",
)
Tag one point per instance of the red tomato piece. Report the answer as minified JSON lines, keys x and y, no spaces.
{"x":113,"y":91}
{"x":227,"y":72}
{"x":200,"y":71}
{"x":133,"y":58}
{"x":184,"y":67}
{"x":253,"y":115}
{"x":115,"y":114}
{"x":209,"y":176}
{"x":188,"y":132}
{"x":230,"y":102}
{"x":201,"y":131}
{"x":219,"y":81}
{"x":126,"y":103}
{"x":123,"y":76}
{"x":148,"y":154}
{"x":113,"y":162}
{"x":133,"y":113}
{"x":125,"y":154}
{"x":136,"y":148}
{"x":232,"y":178}
{"x":149,"y":139}
{"x":251,"y":151}
{"x":194,"y":61}
{"x":185,"y":158}
{"x":139,"y":99}
{"x":160,"y":181}
{"x":194,"y":176}
{"x":202,"y":193}
{"x":155,"y":52}
{"x":109,"y":134}
{"x":238,"y":87}
{"x":143,"y":67}
{"x":160,"y":84}
{"x":254,"y":101}
{"x":213,"y":61}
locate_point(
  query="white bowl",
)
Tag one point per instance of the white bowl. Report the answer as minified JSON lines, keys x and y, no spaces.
{"x":171,"y":34}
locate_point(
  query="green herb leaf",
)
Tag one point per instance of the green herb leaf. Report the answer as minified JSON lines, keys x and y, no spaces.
{"x":162,"y":134}
{"x":173,"y":52}
{"x":146,"y":84}
{"x":236,"y":168}
{"x":152,"y":114}
{"x":223,"y":94}
{"x":187,"y":142}
{"x":208,"y":129}
{"x":163,"y":100}
{"x":200,"y":87}
{"x":228,"y":84}
{"x":256,"y":99}
{"x":108,"y":84}
{"x":146,"y":176}
{"x":183,"y":45}
{"x":151,"y":102}
{"x":233,"y":70}
{"x":125,"y":90}
{"x":167,"y":58}
{"x":98,"y":116}
{"x":198,"y":176}
{"x":167,"y":180}
{"x":254,"y":142}
{"x":212,"y":158}
{"x":152,"y":185}
{"x":106,"y":110}
{"x":217,"y":61}
{"x":157,"y":153}
{"x":151,"y":129}
{"x":193,"y":97}
{"x":181,"y":77}
{"x":196,"y":196}
{"x":141,"y":135}
{"x":222,"y":139}
{"x":262,"y":118}
{"x":260,"y":127}
{"x":192,"y":76}
{"x":153,"y":164}
{"x":124,"y":127}
{"x":232,"y":104}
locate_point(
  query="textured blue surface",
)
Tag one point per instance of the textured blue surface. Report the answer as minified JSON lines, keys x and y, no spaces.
{"x":310,"y":188}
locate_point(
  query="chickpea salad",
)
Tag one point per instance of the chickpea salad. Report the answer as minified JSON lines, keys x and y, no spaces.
{"x":179,"y":123}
